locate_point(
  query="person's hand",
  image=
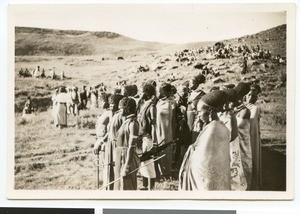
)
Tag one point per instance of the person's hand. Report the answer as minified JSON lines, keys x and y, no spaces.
{"x":231,"y":112}
{"x":97,"y":147}
{"x":125,"y":171}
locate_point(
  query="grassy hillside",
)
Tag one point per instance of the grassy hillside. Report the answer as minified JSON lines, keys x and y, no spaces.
{"x":62,"y":159}
{"x":41,"y":42}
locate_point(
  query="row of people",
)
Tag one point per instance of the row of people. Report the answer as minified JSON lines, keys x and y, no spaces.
{"x":226,"y":154}
{"x":226,"y":160}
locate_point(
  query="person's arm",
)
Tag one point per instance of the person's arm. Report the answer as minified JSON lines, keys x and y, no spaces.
{"x":133,"y":134}
{"x":234,"y":129}
{"x":245,"y":113}
{"x":79,"y":97}
{"x":153,"y":124}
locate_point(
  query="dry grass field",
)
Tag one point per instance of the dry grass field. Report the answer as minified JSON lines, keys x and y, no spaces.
{"x":49,"y":158}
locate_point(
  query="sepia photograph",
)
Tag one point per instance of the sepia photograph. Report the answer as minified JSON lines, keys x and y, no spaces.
{"x":151,"y":101}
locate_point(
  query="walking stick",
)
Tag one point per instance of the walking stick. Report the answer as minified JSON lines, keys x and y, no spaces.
{"x":98,"y":163}
{"x":133,"y":171}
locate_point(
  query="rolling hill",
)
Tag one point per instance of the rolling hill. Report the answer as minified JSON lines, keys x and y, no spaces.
{"x":38,"y":41}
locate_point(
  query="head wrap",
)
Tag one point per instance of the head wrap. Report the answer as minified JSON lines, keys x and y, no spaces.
{"x":215,"y":88}
{"x":166,"y":87}
{"x":255,"y":87}
{"x":214,"y":99}
{"x":149,"y":90}
{"x":230,"y":86}
{"x":151,"y":82}
{"x":200,"y":78}
{"x":173,"y":89}
{"x":117,"y":91}
{"x":231,"y":95}
{"x":115,"y":99}
{"x":242,"y":89}
{"x":62,"y":89}
{"x":129,"y":106}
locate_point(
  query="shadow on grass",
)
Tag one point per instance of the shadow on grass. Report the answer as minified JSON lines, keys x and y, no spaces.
{"x":273,"y":169}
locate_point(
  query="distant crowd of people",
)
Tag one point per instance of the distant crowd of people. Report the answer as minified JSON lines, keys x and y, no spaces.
{"x":41,"y":73}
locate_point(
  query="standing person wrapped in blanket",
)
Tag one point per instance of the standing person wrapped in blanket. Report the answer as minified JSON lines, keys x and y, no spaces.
{"x":126,"y":143}
{"x":54,"y":102}
{"x":181,"y":128}
{"x":164,"y":122}
{"x":250,"y":100}
{"x":228,"y":117}
{"x":146,"y":116}
{"x":108,"y":171}
{"x":60,"y":115}
{"x":113,"y":131}
{"x":206,"y":164}
{"x":243,"y":121}
{"x":101,"y":130}
{"x":103,"y":125}
{"x":193,"y":98}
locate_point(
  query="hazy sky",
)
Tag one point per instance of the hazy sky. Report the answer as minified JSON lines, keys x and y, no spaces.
{"x":163,"y":23}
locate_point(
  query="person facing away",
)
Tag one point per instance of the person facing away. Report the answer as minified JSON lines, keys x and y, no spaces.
{"x":60,"y":115}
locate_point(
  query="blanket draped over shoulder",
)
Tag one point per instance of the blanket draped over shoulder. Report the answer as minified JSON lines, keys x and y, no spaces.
{"x":206,"y":165}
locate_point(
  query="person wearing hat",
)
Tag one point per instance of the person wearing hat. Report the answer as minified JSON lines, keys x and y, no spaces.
{"x":250,"y":100}
{"x":206,"y":164}
{"x":164,"y":126}
{"x":243,"y":123}
{"x":193,"y":98}
{"x":228,"y":117}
